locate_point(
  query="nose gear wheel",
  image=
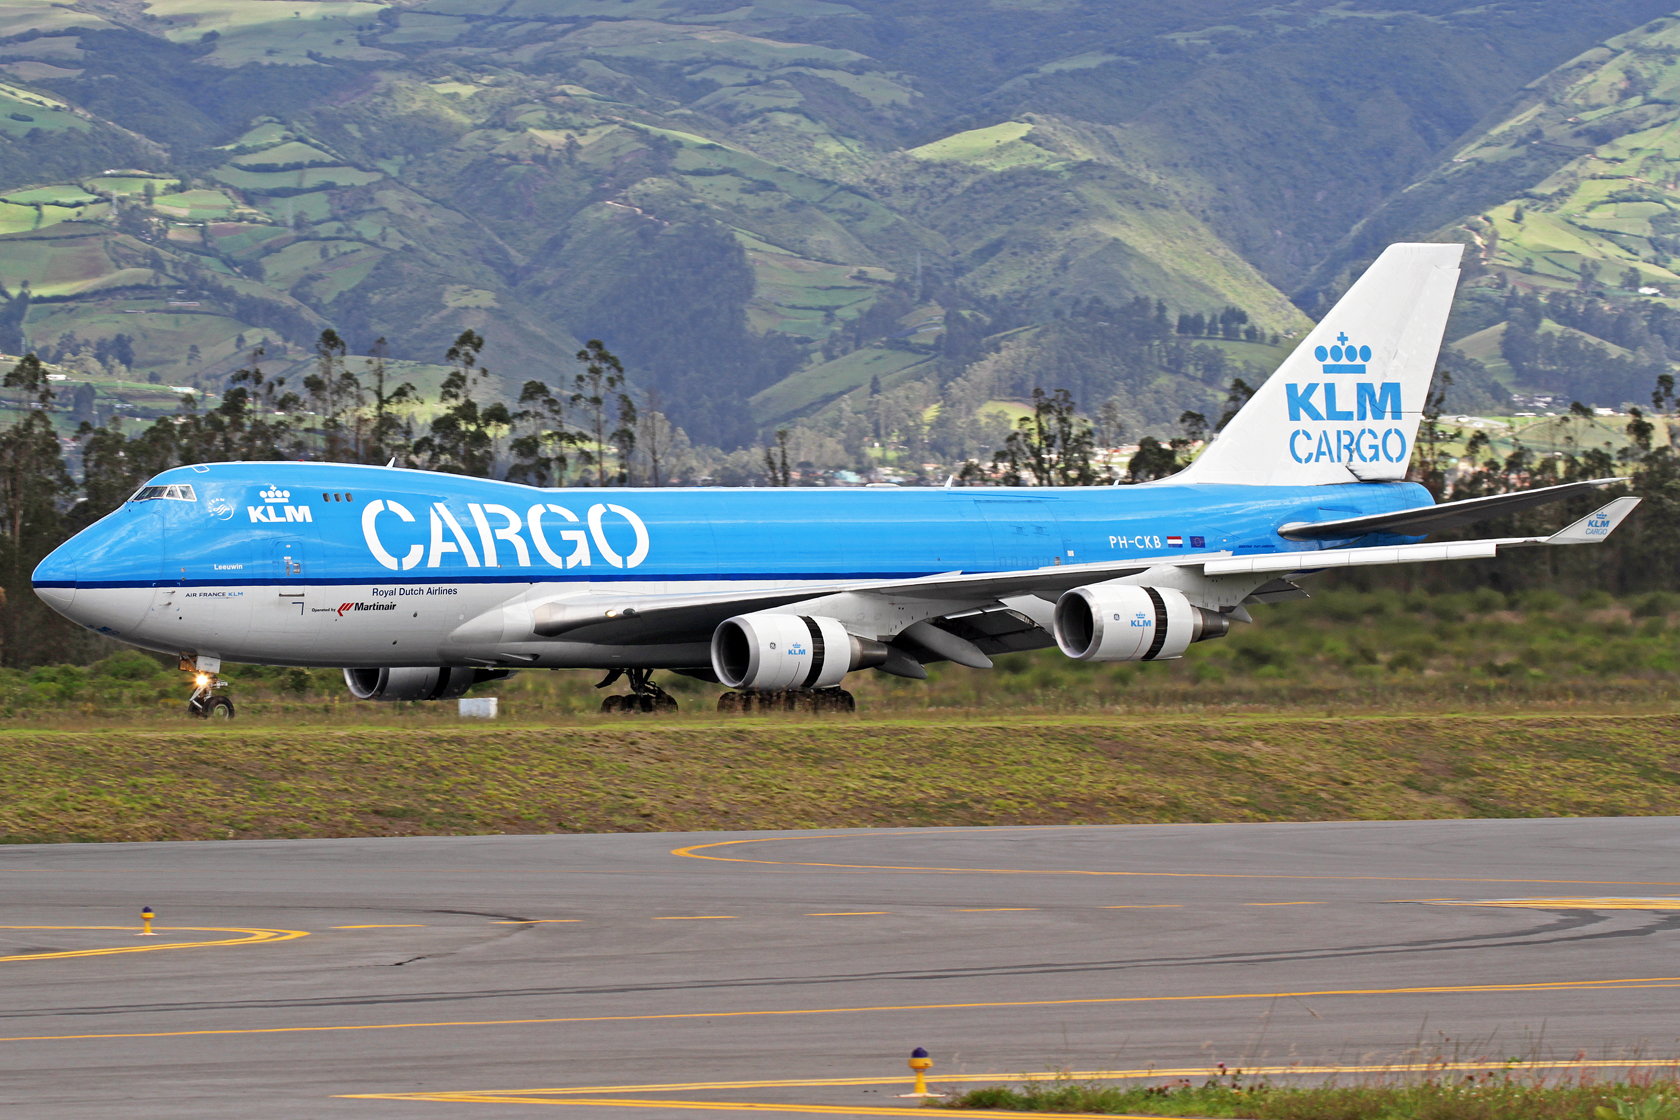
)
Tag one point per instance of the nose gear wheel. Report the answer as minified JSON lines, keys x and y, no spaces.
{"x":205,"y":704}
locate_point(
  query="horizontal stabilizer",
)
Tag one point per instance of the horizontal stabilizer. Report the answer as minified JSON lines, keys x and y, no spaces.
{"x":1433,"y":519}
{"x":1592,"y":529}
{"x":1596,"y":525}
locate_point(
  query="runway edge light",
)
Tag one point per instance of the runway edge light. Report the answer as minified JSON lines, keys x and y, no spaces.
{"x":146,"y":917}
{"x":921,"y":1063}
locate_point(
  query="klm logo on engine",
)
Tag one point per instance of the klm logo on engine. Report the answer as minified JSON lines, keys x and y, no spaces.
{"x":1333,"y":402}
{"x":275,"y":500}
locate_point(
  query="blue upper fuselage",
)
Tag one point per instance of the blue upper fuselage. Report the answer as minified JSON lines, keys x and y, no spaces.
{"x":323,"y":523}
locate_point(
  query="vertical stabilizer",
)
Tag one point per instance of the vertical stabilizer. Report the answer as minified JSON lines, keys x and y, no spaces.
{"x":1345,"y":405}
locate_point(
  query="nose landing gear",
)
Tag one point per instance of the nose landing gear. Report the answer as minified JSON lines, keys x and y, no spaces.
{"x":204,"y":703}
{"x":645,"y":696}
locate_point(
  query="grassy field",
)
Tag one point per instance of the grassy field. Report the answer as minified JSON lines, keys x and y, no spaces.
{"x":383,"y":773}
{"x":1351,"y":706}
{"x":1486,"y":1095}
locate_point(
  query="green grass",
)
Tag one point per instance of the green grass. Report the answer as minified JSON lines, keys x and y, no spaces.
{"x":1352,"y":707}
{"x":19,"y":16}
{"x":328,"y":770}
{"x":842,"y":375}
{"x":997,"y":147}
{"x":1492,"y":1095}
{"x":60,"y":195}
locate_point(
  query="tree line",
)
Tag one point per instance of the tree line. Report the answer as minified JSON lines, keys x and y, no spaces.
{"x":585,"y":430}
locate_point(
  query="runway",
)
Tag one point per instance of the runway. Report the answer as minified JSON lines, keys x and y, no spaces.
{"x":792,"y":973}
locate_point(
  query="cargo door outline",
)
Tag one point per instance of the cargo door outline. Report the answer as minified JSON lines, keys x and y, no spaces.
{"x":1025,"y":532}
{"x":289,"y":563}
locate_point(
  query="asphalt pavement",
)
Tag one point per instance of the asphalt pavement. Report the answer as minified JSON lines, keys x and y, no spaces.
{"x":506,"y":976}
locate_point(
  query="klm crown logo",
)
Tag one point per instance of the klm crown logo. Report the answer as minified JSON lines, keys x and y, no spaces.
{"x":1344,"y":357}
{"x":274,"y":500}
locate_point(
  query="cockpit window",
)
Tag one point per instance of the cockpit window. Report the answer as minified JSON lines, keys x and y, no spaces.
{"x":177,"y":493}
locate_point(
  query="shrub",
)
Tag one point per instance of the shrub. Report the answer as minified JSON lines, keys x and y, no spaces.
{"x":1657,"y":604}
{"x":129,"y":665}
{"x":1405,"y":659}
{"x":1450,"y":608}
{"x":1486,"y":600}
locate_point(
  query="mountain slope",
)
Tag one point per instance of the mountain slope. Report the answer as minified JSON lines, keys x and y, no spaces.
{"x":733,"y":196}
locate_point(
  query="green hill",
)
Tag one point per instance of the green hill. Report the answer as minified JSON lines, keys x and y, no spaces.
{"x":768,"y":208}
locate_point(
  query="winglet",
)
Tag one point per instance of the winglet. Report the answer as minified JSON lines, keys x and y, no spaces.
{"x":1597,"y":525}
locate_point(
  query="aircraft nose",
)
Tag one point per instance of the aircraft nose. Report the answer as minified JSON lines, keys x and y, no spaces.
{"x":55,"y":578}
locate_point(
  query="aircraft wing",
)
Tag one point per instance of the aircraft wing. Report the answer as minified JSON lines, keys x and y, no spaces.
{"x":587,"y":616}
{"x":1049,"y":582}
{"x":1432,"y":519}
{"x":628,"y":617}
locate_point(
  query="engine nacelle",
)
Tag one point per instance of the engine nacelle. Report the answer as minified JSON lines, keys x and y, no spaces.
{"x":1120,"y":622}
{"x":775,"y":651}
{"x":424,"y":683}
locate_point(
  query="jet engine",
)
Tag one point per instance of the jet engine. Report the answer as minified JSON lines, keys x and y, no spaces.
{"x":1120,"y":622}
{"x":777,"y":651}
{"x":424,"y":683}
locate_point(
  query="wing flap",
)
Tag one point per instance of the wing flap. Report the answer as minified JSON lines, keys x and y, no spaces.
{"x":1314,"y":560}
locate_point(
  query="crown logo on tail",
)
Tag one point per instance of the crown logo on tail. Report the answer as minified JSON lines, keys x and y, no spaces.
{"x":1344,"y":357}
{"x":275,"y":494}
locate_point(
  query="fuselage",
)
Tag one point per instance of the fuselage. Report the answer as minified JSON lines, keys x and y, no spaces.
{"x":319,"y":564}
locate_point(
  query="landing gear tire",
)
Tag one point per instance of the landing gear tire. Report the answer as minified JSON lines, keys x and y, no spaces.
{"x":645,"y":696}
{"x":835,"y":700}
{"x":214,"y":708}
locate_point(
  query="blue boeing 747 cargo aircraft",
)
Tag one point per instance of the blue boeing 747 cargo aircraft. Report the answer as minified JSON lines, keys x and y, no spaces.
{"x":420,"y":584}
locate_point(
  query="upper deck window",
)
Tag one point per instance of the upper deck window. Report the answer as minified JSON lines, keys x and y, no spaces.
{"x":175,"y":493}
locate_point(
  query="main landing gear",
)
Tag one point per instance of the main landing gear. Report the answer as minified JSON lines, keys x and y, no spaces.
{"x":205,"y":704}
{"x":788,"y":700}
{"x":645,"y":696}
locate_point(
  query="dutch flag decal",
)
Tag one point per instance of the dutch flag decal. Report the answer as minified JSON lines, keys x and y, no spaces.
{"x":1175,"y":542}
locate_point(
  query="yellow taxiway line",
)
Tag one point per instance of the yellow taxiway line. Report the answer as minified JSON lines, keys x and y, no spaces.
{"x":731,"y":1106}
{"x":252,"y":937}
{"x":1564,"y":903}
{"x":586,"y":1095}
{"x":694,"y":851}
{"x":1629,"y":984}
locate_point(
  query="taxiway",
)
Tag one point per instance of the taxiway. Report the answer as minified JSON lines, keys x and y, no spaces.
{"x":506,"y":976}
